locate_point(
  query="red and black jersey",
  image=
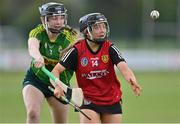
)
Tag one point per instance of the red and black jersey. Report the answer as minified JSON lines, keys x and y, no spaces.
{"x":95,"y":71}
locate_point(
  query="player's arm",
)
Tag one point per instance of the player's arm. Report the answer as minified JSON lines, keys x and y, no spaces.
{"x":127,"y":73}
{"x":33,"y":48}
{"x":129,"y":77}
{"x":69,"y":60}
{"x":58,"y":92}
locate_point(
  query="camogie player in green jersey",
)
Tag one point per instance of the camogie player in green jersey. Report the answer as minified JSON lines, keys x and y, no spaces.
{"x":46,"y":44}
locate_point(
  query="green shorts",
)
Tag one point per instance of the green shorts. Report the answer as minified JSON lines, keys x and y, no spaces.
{"x":32,"y":79}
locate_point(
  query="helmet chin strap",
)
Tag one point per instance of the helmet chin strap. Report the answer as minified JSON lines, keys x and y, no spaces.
{"x":96,"y":41}
{"x":55,"y":31}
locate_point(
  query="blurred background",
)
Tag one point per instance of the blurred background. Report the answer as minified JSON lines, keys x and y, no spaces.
{"x":150,"y":47}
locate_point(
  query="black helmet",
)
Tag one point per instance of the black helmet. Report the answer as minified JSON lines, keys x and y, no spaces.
{"x":88,"y":20}
{"x":53,"y":9}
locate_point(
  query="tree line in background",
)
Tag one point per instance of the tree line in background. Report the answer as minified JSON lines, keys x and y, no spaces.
{"x":124,"y":16}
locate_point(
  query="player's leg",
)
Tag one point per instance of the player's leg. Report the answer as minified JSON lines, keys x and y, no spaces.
{"x":33,"y":99}
{"x":59,"y":111}
{"x":111,"y":118}
{"x":95,"y":117}
{"x":113,"y":113}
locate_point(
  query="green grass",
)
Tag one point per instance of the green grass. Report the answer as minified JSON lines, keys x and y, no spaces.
{"x":159,"y":102}
{"x":160,"y":99}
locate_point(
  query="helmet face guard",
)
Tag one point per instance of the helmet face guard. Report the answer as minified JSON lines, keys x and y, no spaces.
{"x":87,"y":22}
{"x":53,"y":9}
{"x":90,"y":32}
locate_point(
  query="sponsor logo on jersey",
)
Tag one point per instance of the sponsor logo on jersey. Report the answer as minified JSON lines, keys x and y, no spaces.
{"x":48,"y":61}
{"x":84,"y":61}
{"x":105,"y":58}
{"x":95,"y":74}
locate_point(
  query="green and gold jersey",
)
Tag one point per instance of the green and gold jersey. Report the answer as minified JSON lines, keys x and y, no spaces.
{"x":51,"y":52}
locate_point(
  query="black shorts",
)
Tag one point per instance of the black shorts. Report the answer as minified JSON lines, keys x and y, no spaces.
{"x":109,"y":109}
{"x":32,"y":79}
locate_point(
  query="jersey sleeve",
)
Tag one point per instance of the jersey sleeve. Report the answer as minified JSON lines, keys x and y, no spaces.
{"x":69,"y":60}
{"x":115,"y":55}
{"x":36,"y":32}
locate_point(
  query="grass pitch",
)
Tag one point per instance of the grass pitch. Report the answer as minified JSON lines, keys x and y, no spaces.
{"x":159,"y":102}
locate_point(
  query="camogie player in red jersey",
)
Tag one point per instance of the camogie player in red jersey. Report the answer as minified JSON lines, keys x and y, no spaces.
{"x":93,"y":59}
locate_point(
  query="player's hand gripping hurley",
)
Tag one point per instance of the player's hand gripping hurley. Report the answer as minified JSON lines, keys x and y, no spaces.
{"x":72,"y":104}
{"x":76,"y":94}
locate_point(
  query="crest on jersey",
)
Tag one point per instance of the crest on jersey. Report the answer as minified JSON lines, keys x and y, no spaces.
{"x":60,"y":48}
{"x":105,"y":58}
{"x":84,"y":61}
